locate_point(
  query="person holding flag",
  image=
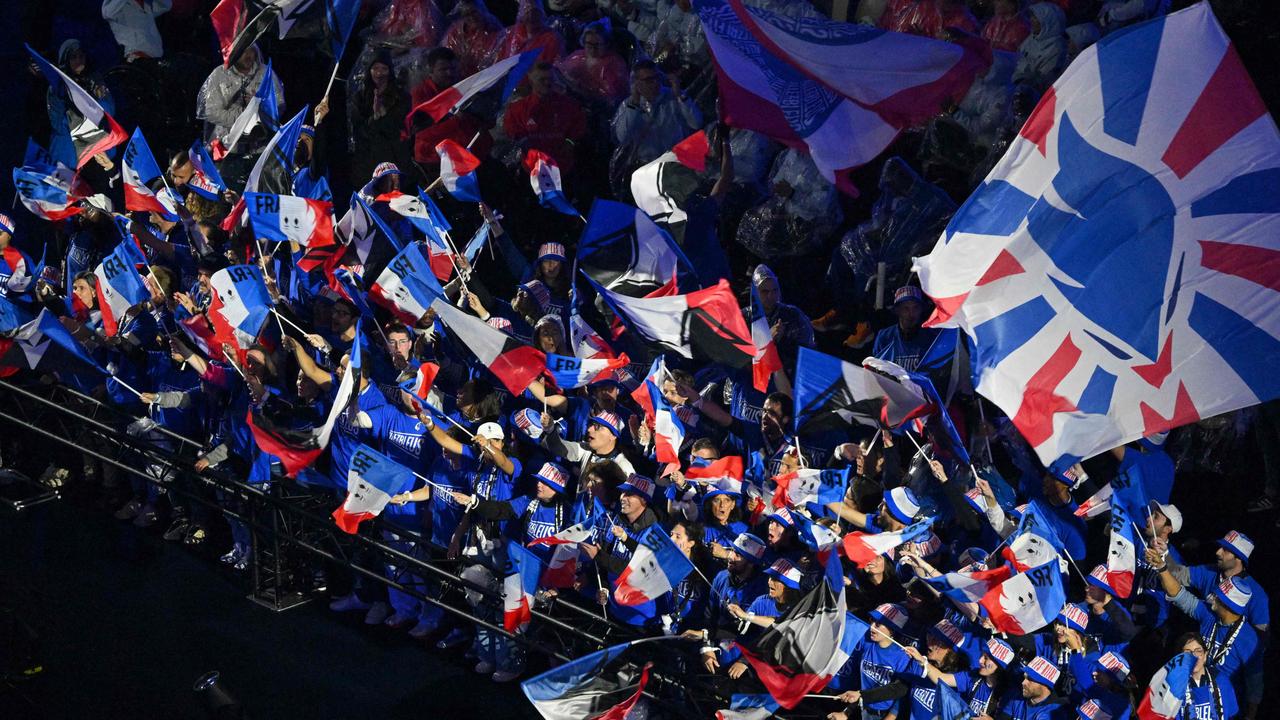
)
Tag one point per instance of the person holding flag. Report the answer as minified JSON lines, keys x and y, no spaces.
{"x":625,"y":529}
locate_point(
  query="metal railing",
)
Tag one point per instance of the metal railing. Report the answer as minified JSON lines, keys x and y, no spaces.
{"x":290,"y":523}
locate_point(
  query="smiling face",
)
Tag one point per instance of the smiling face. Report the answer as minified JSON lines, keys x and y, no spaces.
{"x":545,"y":493}
{"x":631,"y":504}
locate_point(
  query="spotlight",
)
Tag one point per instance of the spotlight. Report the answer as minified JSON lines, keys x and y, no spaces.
{"x":220,"y":704}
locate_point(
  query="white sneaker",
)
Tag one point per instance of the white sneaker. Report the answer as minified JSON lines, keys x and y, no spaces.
{"x":398,"y":621}
{"x":503,"y":676}
{"x":347,"y":603}
{"x":484,"y":667}
{"x":423,"y":629}
{"x":377,"y":614}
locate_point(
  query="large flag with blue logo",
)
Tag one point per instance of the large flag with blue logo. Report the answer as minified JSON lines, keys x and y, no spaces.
{"x":841,"y":91}
{"x":1116,"y":270}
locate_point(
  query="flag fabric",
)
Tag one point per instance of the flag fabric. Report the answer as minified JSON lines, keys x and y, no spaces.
{"x":273,"y":171}
{"x":951,"y":706}
{"x":361,"y":229}
{"x":41,"y":344}
{"x":656,"y":567}
{"x":262,"y":111}
{"x":372,"y":480}
{"x":340,"y":20}
{"x":419,"y":387}
{"x":1122,"y":551}
{"x":767,"y":361}
{"x":519,"y":585}
{"x":562,"y":567}
{"x":205,"y":180}
{"x":587,"y":343}
{"x":49,"y":189}
{"x":841,"y":91}
{"x":477,"y":242}
{"x":482,"y":94}
{"x":287,"y":218}
{"x":571,"y":372}
{"x":119,"y":286}
{"x":810,"y":485}
{"x":831,"y":393}
{"x":661,"y":187}
{"x":512,"y":362}
{"x":239,"y":308}
{"x":1027,"y":601}
{"x":935,"y":409}
{"x":1097,"y":503}
{"x":1034,"y":541}
{"x":226,"y":18}
{"x":587,"y":687}
{"x":93,"y":131}
{"x":16,"y":270}
{"x":458,"y":171}
{"x":970,"y":585}
{"x":1168,"y":689}
{"x":861,"y":548}
{"x":1110,"y":270}
{"x":407,"y":287}
{"x":544,"y":176}
{"x":144,"y":185}
{"x":622,"y":249}
{"x":749,"y":707}
{"x":804,"y":648}
{"x":705,"y":323}
{"x":422,"y":213}
{"x":726,"y":471}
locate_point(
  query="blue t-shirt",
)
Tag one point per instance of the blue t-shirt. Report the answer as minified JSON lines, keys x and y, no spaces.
{"x":1204,"y":578}
{"x":1204,"y":707}
{"x":891,"y":346}
{"x":880,"y":666}
{"x":1021,"y":709}
{"x":347,"y":438}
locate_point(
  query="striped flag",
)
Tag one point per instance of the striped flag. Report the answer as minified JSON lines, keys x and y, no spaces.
{"x":144,"y":185}
{"x":656,"y":567}
{"x":749,"y":707}
{"x":571,"y":372}
{"x":706,"y":323}
{"x":767,"y":361}
{"x":592,"y":686}
{"x":544,"y":176}
{"x":482,"y":94}
{"x":93,"y":131}
{"x":262,"y":110}
{"x":458,"y":171}
{"x":288,"y":218}
{"x":407,"y":287}
{"x":862,"y":548}
{"x":512,"y":362}
{"x":120,"y":287}
{"x":562,"y":567}
{"x":240,"y":306}
{"x":519,"y":584}
{"x":660,"y":187}
{"x":420,"y":386}
{"x":971,"y":585}
{"x":1027,"y":601}
{"x":372,"y":480}
{"x":205,"y":180}
{"x":1168,"y":689}
{"x":810,"y":485}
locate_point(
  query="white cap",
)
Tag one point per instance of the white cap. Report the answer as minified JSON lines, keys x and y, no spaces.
{"x":490,"y":430}
{"x":1171,"y":512}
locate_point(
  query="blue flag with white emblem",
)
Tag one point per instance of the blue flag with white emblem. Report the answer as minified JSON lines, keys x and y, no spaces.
{"x":1112,"y":269}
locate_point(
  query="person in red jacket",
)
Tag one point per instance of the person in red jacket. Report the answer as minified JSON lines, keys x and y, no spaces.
{"x":547,"y":119}
{"x":1007,"y":28}
{"x":442,"y":73}
{"x":531,"y":32}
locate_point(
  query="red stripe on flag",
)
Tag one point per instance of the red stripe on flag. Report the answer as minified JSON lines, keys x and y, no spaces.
{"x":1184,"y":413}
{"x":1041,"y":121}
{"x":786,"y":686}
{"x":1258,"y":265}
{"x":1040,"y":402}
{"x":1228,"y":104}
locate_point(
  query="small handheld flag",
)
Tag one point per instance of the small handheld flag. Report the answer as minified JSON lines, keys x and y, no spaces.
{"x":458,"y":171}
{"x":372,"y":480}
{"x":1027,"y":601}
{"x":544,"y":175}
{"x":287,"y":218}
{"x":655,"y":569}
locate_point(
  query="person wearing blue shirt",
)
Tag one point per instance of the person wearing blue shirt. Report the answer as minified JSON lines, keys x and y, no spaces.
{"x":1037,"y":701}
{"x":1147,"y":462}
{"x":783,"y":582}
{"x":722,"y":520}
{"x":1209,"y":695}
{"x":906,"y":342}
{"x":1230,"y":640}
{"x":738,"y":584}
{"x":990,"y":681}
{"x":881,"y":662}
{"x":634,"y":517}
{"x":1232,"y":558}
{"x":1108,"y":697}
{"x":945,"y":662}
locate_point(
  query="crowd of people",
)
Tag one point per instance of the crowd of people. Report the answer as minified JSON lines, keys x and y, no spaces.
{"x":618,"y":83}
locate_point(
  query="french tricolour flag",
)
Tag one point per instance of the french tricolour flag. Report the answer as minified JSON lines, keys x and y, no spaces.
{"x":93,"y":131}
{"x":544,"y":176}
{"x":767,"y":361}
{"x":205,"y":180}
{"x":810,"y":485}
{"x":724,"y":473}
{"x":407,"y":286}
{"x":655,"y":569}
{"x":1122,"y":551}
{"x":420,"y":211}
{"x":862,"y":548}
{"x":668,"y":431}
{"x":420,"y":386}
{"x":562,"y":567}
{"x":240,"y":306}
{"x":570,"y":372}
{"x":518,"y":588}
{"x":512,"y":362}
{"x":1168,"y":688}
{"x":48,"y":193}
{"x":286,"y":218}
{"x":144,"y":186}
{"x":458,"y":171}
{"x":749,"y":707}
{"x":372,"y":480}
{"x":483,"y":93}
{"x":1097,"y":503}
{"x":970,"y":586}
{"x":1027,"y":601}
{"x":120,"y":287}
